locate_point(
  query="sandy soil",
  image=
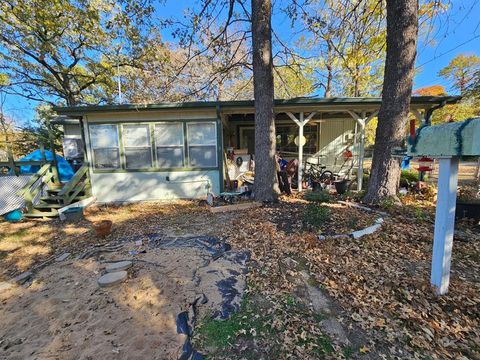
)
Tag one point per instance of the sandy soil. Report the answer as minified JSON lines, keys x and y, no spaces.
{"x":64,"y":314}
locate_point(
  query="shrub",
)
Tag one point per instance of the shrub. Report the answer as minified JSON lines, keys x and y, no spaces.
{"x":366,"y":178}
{"x":318,"y":196}
{"x":408,"y":178}
{"x":315,"y":215}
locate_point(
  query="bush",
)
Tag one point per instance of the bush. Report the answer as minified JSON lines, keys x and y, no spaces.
{"x":318,"y":196}
{"x":315,"y":215}
{"x":365,"y":179}
{"x":408,"y":178}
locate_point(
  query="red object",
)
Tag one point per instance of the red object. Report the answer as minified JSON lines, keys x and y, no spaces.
{"x":347,"y":154}
{"x":412,"y":129}
{"x":425,"y":164}
{"x":102,"y":228}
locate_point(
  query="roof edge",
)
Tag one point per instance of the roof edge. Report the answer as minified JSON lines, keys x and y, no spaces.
{"x":84,"y":109}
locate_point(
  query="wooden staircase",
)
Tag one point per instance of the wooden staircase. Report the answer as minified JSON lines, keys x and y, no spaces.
{"x":58,"y":195}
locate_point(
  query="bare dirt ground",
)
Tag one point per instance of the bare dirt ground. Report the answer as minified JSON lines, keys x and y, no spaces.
{"x":337,"y":298}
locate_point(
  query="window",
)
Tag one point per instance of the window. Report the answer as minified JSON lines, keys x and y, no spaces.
{"x":105,"y":146}
{"x":202,"y":144}
{"x":137,"y":148}
{"x":286,"y":135}
{"x":169,"y":142}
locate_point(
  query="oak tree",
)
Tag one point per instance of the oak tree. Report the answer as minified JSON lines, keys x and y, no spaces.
{"x":402,"y":33}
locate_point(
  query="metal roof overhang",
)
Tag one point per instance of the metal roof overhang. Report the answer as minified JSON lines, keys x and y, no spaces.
{"x":248,"y":106}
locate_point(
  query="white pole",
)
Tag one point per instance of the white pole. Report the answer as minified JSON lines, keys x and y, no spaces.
{"x":119,"y":84}
{"x":300,"y":152}
{"x":361,"y":155}
{"x":444,"y":224}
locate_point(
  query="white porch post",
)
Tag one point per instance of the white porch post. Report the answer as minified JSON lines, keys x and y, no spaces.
{"x":444,"y":224}
{"x":301,"y":123}
{"x":362,"y":121}
{"x":361,"y":155}
{"x":300,"y":152}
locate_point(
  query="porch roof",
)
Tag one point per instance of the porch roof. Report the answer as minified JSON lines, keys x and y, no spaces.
{"x":245,"y":106}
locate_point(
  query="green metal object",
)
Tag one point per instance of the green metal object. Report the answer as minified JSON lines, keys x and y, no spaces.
{"x":446,"y":140}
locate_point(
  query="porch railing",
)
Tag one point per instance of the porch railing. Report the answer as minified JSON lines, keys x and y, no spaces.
{"x":31,"y":192}
{"x":80,"y":182}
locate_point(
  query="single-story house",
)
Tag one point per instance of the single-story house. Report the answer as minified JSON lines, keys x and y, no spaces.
{"x":177,"y":150}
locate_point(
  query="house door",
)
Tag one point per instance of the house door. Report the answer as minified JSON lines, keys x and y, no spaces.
{"x":247,"y":139}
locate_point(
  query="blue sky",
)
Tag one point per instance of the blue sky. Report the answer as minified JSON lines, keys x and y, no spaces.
{"x":456,"y":31}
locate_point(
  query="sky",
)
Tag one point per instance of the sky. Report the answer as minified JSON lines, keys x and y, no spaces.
{"x":455,"y":31}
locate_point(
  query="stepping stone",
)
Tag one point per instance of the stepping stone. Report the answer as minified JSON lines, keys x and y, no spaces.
{"x":112,"y":278}
{"x":334,"y":329}
{"x":23,"y":277}
{"x":62,"y":257}
{"x":118,"y":266}
{"x":367,"y":231}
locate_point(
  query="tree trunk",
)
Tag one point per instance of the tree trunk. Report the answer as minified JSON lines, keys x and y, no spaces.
{"x":329,"y":67}
{"x":265,"y":188}
{"x":402,"y":33}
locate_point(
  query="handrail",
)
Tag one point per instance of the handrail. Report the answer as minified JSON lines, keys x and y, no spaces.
{"x":43,"y":170}
{"x":73,"y":182}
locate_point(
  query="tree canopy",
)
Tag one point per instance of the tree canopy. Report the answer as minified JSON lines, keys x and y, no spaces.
{"x":461,"y":71}
{"x":68,"y":50}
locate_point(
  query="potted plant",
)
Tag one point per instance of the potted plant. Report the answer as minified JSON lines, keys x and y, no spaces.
{"x":102,"y":228}
{"x":342,"y":185}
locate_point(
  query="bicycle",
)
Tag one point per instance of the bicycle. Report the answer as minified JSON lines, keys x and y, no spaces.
{"x":316,"y":176}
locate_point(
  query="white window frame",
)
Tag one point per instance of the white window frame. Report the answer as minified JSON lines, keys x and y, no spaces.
{"x":202,"y":145}
{"x":93,"y":147}
{"x":182,"y":146}
{"x":149,"y":147}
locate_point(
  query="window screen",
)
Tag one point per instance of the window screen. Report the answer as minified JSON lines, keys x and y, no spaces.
{"x":170,"y":145}
{"x":202,"y":141}
{"x":105,"y":145}
{"x":137,"y":148}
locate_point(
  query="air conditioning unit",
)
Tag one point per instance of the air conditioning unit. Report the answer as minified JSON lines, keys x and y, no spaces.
{"x":72,"y":148}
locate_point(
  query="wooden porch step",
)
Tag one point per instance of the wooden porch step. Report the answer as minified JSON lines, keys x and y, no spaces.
{"x":48,"y":206}
{"x":54,"y":191}
{"x":51,"y":198}
{"x":39,"y":214}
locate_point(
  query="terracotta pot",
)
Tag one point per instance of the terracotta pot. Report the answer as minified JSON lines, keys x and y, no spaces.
{"x":102,"y":228}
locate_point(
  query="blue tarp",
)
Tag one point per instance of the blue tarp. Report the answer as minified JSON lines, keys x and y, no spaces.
{"x":406,"y":162}
{"x":64,"y":169}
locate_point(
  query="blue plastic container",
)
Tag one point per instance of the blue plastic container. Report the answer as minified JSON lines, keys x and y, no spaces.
{"x":13,"y":216}
{"x":74,"y":214}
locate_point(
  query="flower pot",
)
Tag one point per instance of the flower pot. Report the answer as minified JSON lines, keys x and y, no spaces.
{"x":102,"y":228}
{"x":342,"y":186}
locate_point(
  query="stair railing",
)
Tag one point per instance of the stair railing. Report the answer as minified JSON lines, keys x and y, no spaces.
{"x":78,"y":183}
{"x":36,"y":184}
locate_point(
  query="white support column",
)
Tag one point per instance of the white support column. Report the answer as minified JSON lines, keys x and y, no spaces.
{"x":301,"y":123}
{"x":300,"y":152}
{"x":362,"y":121}
{"x":444,"y":224}
{"x":361,"y":155}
